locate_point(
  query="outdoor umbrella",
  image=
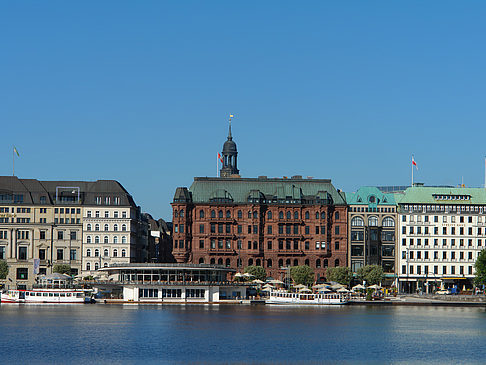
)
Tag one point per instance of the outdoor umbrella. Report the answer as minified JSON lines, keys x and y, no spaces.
{"x":376,"y":286}
{"x":299,"y":286}
{"x":305,"y":290}
{"x":336,"y":286}
{"x":248,"y":275}
{"x":275,"y":281}
{"x":238,"y":275}
{"x":257,"y":281}
{"x":358,"y":287}
{"x":324,"y":290}
{"x":343,"y":290}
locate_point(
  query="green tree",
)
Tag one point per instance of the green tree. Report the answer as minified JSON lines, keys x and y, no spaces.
{"x":480,"y":267}
{"x":3,"y":269}
{"x":257,"y":271}
{"x":340,"y":274}
{"x":302,"y":275}
{"x":62,"y":269}
{"x":372,"y":274}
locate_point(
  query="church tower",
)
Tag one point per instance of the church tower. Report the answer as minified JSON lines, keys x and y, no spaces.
{"x":230,"y":155}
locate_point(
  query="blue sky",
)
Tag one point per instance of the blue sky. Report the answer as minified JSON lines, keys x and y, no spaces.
{"x":140,"y":92}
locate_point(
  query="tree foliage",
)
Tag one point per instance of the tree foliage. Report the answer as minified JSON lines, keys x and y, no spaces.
{"x":62,"y":269}
{"x":372,"y":274}
{"x":302,"y":275}
{"x":340,"y":274}
{"x":480,"y":267}
{"x":3,"y":269}
{"x":257,"y":271}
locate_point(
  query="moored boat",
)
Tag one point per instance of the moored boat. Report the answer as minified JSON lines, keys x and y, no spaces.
{"x":282,"y":297}
{"x":51,"y":296}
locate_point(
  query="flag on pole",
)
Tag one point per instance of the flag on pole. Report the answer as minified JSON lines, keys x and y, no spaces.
{"x":414,"y":163}
{"x":231,"y":115}
{"x":220,"y":158}
{"x":17,"y":152}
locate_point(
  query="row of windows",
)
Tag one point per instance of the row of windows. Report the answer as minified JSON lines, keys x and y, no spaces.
{"x":461,"y":231}
{"x":443,"y":208}
{"x":452,"y":218}
{"x":288,"y":215}
{"x":419,"y":270}
{"x":66,"y":211}
{"x":386,"y":250}
{"x":318,"y":263}
{"x":107,"y":200}
{"x":287,"y":245}
{"x":106,"y":252}
{"x":106,"y":214}
{"x":22,"y":253}
{"x":445,"y":242}
{"x":386,"y":236}
{"x":412,"y":255}
{"x":288,"y":228}
{"x":89,"y":239}
{"x":106,"y":227}
{"x":372,"y":222}
{"x":374,"y":210}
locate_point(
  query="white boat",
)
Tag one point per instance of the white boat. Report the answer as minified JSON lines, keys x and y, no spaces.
{"x":282,"y":297}
{"x":50,"y":296}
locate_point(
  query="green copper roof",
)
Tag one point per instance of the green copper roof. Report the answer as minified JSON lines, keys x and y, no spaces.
{"x":370,"y":195}
{"x":450,"y":196}
{"x":240,"y":190}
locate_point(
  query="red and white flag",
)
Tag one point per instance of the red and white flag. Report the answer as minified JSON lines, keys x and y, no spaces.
{"x":414,"y":163}
{"x":220,"y":158}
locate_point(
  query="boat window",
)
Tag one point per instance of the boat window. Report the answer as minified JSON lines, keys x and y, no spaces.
{"x":27,"y":293}
{"x":63,"y":294}
{"x":56,"y":294}
{"x":44,"y":294}
{"x":51,"y":294}
{"x":68,"y":294}
{"x":38,"y":294}
{"x":79,"y":295}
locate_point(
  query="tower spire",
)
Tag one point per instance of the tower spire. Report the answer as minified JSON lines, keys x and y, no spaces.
{"x":230,"y":155}
{"x":230,"y":137}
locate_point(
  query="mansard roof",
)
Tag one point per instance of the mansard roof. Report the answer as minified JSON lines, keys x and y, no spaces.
{"x":273,"y":190}
{"x":370,"y":195}
{"x":443,"y":195}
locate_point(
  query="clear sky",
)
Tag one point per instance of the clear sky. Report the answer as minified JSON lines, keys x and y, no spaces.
{"x":140,"y":91}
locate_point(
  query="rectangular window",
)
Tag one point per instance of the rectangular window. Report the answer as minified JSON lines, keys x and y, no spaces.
{"x":220,"y":228}
{"x":249,"y":229}
{"x":269,"y":245}
{"x":213,"y":228}
{"x":2,"y":253}
{"x":72,"y":254}
{"x":453,"y":270}
{"x":336,"y":230}
{"x":249,"y":245}
{"x":60,"y":235}
{"x":444,"y":270}
{"x":42,"y":254}
{"x":255,"y":229}
{"x":240,"y":228}
{"x":307,"y":230}
{"x":336,"y":245}
{"x":22,"y":253}
{"x":73,"y":235}
{"x":181,"y":228}
{"x":22,"y":273}
{"x":404,"y":269}
{"x":60,"y":254}
{"x":317,"y":229}
{"x":306,"y":245}
{"x":288,"y":229}
{"x":201,"y":228}
{"x":269,"y":230}
{"x":201,"y":243}
{"x":42,"y":235}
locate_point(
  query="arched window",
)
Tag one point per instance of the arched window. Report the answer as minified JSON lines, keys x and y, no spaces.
{"x":213,"y":214}
{"x":88,"y":227}
{"x":97,"y":227}
{"x":105,"y":265}
{"x":269,"y":263}
{"x":357,"y":222}
{"x":115,"y":227}
{"x":115,"y":239}
{"x":97,"y":253}
{"x":280,"y":215}
{"x":258,"y":262}
{"x":336,"y":215}
{"x":105,"y":239}
{"x":220,"y":261}
{"x":97,"y":266}
{"x":124,"y":253}
{"x":289,"y":215}
{"x":249,"y":214}
{"x":317,"y":215}
{"x":124,"y":239}
{"x":88,"y":266}
{"x":255,"y":214}
{"x":201,"y":260}
{"x":220,"y":214}
{"x":306,"y":215}
{"x":269,"y":214}
{"x":88,"y":239}
{"x":250,"y":262}
{"x":325,"y":263}
{"x":212,"y":261}
{"x":228,"y":262}
{"x":280,"y":263}
{"x":296,"y":215}
{"x":323,"y":215}
{"x":388,"y":222}
{"x":106,"y":227}
{"x":228,"y":214}
{"x":201,"y":213}
{"x":336,"y":262}
{"x":105,"y":252}
{"x":124,"y":227}
{"x":115,"y":253}
{"x":181,"y":213}
{"x":296,"y":262}
{"x":307,"y":263}
{"x":88,"y":252}
{"x":318,"y":263}
{"x":240,"y":214}
{"x":373,"y":221}
{"x":176,"y":213}
{"x":97,"y":239}
{"x":287,"y":262}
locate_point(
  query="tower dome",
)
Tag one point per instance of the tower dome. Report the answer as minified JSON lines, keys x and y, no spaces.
{"x":230,"y":155}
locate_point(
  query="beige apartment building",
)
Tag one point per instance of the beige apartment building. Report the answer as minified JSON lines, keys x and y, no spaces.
{"x":46,"y":223}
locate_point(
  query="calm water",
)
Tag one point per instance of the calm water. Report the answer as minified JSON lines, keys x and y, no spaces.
{"x":240,"y":334}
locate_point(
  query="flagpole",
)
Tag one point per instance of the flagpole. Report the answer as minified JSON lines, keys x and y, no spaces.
{"x":217,"y":166}
{"x":412,"y":172}
{"x":13,"y":160}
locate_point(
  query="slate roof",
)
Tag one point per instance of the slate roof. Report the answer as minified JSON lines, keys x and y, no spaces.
{"x":425,"y":195}
{"x":362,"y":195}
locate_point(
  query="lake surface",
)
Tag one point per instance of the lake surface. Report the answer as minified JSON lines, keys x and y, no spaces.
{"x":113,"y":334}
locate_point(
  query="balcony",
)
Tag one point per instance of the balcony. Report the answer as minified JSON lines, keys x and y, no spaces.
{"x":290,"y":252}
{"x":222,"y":251}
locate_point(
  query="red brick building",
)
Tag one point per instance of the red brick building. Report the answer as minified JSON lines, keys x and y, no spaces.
{"x":269,"y":222}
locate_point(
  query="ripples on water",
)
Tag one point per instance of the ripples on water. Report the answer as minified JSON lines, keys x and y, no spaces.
{"x":240,"y":334}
